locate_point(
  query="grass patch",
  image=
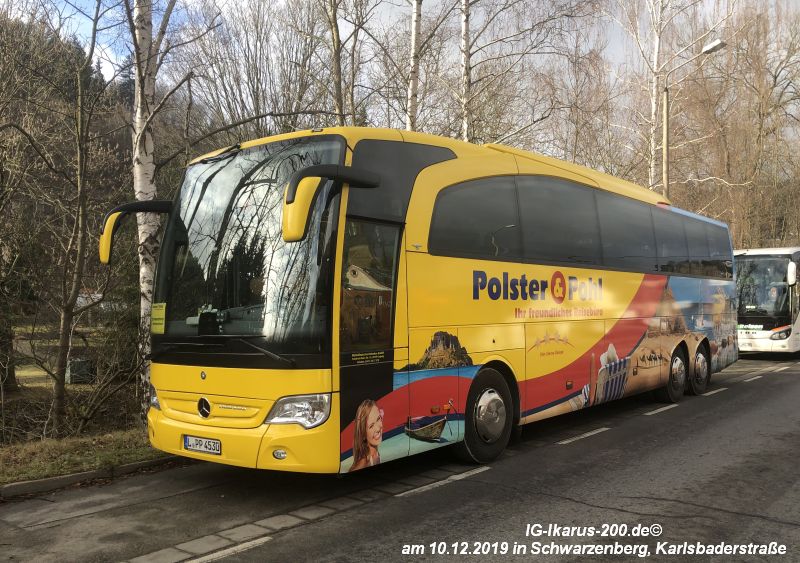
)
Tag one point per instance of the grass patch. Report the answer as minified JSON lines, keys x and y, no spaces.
{"x":50,"y":458}
{"x":30,"y":371}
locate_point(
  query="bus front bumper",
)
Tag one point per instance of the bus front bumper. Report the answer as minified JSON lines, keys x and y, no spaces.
{"x":315,"y":450}
{"x":760,"y":341}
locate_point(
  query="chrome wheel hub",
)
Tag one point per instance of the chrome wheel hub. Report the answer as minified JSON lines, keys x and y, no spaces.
{"x":490,"y":416}
{"x":700,"y":368}
{"x":678,"y":373}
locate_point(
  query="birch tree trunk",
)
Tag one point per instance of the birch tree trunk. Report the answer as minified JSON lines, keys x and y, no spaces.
{"x":332,"y":15}
{"x":413,"y":74}
{"x":146,"y":59}
{"x":466,"y":71}
{"x":655,"y":61}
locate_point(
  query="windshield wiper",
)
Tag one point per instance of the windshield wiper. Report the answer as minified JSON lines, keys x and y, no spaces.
{"x":754,"y":311}
{"x":266,"y":352}
{"x":163,"y":346}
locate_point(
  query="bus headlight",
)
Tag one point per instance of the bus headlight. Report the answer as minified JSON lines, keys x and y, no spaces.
{"x":306,"y":410}
{"x":154,"y":398}
{"x":781,"y":333}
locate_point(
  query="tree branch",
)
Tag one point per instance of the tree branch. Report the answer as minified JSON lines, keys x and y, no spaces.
{"x":235,"y":124}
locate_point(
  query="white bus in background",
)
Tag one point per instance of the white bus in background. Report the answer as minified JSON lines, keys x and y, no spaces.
{"x":766,"y":284}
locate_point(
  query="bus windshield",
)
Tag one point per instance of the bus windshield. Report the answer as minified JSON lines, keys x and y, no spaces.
{"x":762,"y":286}
{"x":224,"y":267}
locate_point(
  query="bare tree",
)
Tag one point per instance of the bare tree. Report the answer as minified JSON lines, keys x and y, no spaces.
{"x":588,"y":95}
{"x":745,"y":103}
{"x":61,"y":129}
{"x":499,"y":39}
{"x":650,"y":24}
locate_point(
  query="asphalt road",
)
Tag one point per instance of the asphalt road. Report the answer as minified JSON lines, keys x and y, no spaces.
{"x":724,"y":467}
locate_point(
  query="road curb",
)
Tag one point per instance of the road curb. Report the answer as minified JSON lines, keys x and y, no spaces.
{"x":47,"y":484}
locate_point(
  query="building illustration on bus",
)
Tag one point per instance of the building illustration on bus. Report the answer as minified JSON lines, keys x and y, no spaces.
{"x":333,"y":299}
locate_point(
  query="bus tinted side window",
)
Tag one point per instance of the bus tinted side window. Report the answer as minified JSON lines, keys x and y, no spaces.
{"x":560,"y":221}
{"x":698,"y":247}
{"x":477,"y":219}
{"x":626,"y":227}
{"x":719,"y":243}
{"x":673,"y":254}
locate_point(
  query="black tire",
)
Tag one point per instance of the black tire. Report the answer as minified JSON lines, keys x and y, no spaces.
{"x":516,"y":435}
{"x":700,"y":373}
{"x":672,"y":392}
{"x":488,"y":418}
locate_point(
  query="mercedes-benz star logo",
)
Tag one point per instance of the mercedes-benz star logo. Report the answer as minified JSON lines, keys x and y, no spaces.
{"x":204,"y":407}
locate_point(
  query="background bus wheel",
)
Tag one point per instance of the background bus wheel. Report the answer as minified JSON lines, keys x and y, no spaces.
{"x":701,"y":372}
{"x":672,"y":392}
{"x":487,"y":419}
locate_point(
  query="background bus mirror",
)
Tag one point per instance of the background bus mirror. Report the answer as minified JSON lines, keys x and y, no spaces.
{"x":113,"y":218}
{"x":302,"y":190}
{"x":296,"y":214}
{"x":791,"y":274}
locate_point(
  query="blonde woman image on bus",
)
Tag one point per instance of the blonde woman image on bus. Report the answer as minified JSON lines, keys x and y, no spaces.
{"x":367,"y":436}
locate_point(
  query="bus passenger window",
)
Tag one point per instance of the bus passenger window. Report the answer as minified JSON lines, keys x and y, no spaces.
{"x":477,"y":219}
{"x":673,"y":253}
{"x":559,"y":221}
{"x":698,"y":247}
{"x":719,"y":243}
{"x":368,"y":272}
{"x":626,"y":229}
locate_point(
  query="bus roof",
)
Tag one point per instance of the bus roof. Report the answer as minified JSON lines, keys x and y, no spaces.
{"x":464,"y":149}
{"x":766,"y":251}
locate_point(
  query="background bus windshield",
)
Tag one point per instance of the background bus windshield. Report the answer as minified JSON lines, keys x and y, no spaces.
{"x":762,"y":286}
{"x":224,"y":267}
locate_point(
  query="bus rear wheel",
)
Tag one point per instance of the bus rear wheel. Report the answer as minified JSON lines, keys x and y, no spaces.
{"x":488,"y":418}
{"x":672,"y":392}
{"x":701,"y":374}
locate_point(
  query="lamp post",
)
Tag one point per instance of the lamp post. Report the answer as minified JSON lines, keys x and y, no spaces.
{"x":712,"y":47}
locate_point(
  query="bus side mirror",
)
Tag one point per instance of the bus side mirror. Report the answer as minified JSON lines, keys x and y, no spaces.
{"x":791,"y":274}
{"x":303,"y":187}
{"x":296,"y":214}
{"x":112,"y":221}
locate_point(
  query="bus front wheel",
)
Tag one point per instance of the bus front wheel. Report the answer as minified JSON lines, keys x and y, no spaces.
{"x":698,"y":382}
{"x":672,"y":392}
{"x":488,"y":418}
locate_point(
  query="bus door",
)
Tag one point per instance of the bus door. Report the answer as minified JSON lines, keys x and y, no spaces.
{"x":374,"y":395}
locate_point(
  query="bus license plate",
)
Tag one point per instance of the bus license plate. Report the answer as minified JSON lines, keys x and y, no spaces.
{"x":204,"y":445}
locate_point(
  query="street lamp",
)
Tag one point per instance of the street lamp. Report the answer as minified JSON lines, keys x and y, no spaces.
{"x":709,"y":48}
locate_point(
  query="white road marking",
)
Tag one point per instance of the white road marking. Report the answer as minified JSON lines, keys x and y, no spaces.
{"x":662,"y":409}
{"x":231,"y":550}
{"x":753,"y":378}
{"x":781,"y":369}
{"x":714,"y":392}
{"x":582,"y":436}
{"x":450,"y":479}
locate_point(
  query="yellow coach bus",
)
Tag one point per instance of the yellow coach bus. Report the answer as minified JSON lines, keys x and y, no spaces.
{"x":332,"y":299}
